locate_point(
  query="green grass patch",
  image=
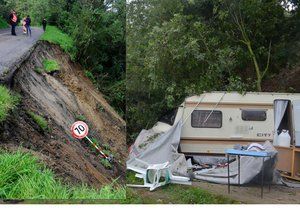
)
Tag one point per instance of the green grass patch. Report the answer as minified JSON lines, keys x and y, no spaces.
{"x":190,"y":195}
{"x":171,"y":193}
{"x":56,"y":36}
{"x":80,"y":117}
{"x":39,"y":120}
{"x":104,"y":148}
{"x":131,"y":179}
{"x":3,"y":23}
{"x":176,"y":194}
{"x":23,"y":177}
{"x":7,"y":102}
{"x":106,"y":163}
{"x":38,"y":70}
{"x":50,"y":65}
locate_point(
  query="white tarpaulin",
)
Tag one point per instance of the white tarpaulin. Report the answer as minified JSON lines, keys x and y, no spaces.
{"x":158,"y":148}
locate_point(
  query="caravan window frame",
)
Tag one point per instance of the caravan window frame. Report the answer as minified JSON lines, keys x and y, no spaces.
{"x":254,"y":110}
{"x":214,"y":111}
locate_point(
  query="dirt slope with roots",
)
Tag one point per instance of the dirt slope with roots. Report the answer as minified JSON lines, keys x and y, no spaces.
{"x":60,"y":98}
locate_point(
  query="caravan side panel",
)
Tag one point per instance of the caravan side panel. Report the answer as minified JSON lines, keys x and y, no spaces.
{"x":233,"y":130}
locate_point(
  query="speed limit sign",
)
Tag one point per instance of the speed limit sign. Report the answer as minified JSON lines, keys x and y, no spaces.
{"x":79,"y":130}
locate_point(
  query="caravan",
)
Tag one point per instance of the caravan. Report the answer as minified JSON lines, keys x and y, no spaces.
{"x":215,"y":121}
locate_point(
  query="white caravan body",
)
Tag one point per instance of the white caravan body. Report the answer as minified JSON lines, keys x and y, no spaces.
{"x":215,"y":121}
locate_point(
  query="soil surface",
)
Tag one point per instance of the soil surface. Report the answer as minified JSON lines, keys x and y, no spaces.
{"x":14,"y":48}
{"x":278,"y":194}
{"x":61,"y":97}
{"x":245,"y":194}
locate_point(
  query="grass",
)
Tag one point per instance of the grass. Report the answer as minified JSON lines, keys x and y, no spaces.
{"x":3,"y":23}
{"x":103,"y":161}
{"x":7,"y":102}
{"x":39,"y":120}
{"x":171,"y":193}
{"x":106,"y":163}
{"x":50,"y":65}
{"x":23,"y":177}
{"x":80,"y":117}
{"x":175,"y":194}
{"x":38,"y":70}
{"x":56,"y":36}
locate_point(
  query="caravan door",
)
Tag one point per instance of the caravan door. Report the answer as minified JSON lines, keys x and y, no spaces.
{"x":296,"y":117}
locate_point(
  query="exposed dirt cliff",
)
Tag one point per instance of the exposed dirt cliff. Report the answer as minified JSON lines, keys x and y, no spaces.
{"x":61,"y":97}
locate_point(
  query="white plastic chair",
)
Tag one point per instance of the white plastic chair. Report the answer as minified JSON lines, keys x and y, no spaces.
{"x":154,"y":172}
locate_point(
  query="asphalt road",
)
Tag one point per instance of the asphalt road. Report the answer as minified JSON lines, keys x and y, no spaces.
{"x":13,"y":48}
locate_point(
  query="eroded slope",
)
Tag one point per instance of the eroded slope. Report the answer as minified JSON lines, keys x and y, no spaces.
{"x":60,"y":98}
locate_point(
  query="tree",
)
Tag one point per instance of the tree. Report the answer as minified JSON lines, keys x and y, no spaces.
{"x":184,"y":47}
{"x":235,"y":12}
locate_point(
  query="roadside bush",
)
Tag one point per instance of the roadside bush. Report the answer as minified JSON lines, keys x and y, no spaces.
{"x":7,"y":102}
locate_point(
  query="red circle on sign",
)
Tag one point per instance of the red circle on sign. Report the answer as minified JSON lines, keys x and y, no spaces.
{"x":79,"y":130}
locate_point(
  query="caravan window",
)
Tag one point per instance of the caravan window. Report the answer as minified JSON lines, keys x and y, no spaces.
{"x":254,"y":115}
{"x":206,"y":119}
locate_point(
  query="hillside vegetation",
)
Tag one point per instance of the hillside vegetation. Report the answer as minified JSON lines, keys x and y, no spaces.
{"x":3,"y":23}
{"x":56,"y":36}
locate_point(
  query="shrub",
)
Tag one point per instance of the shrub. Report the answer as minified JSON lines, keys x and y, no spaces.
{"x":50,"y":65}
{"x":39,"y":120}
{"x":7,"y":102}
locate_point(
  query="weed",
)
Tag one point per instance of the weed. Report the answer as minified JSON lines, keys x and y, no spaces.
{"x":100,"y":108}
{"x":50,"y":65}
{"x":38,"y":70}
{"x":95,"y":141}
{"x":80,"y":117}
{"x":106,"y":151}
{"x":39,"y":120}
{"x":8,"y":101}
{"x":106,"y":146}
{"x":106,"y":163}
{"x":90,"y":76}
{"x":132,"y":179}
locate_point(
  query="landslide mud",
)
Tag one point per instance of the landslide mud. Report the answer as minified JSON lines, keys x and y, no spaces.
{"x":59,"y":98}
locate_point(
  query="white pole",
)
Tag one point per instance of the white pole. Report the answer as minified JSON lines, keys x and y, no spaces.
{"x":96,"y":147}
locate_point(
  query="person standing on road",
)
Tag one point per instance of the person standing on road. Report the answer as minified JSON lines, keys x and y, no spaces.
{"x":13,"y":19}
{"x":24,"y":25}
{"x":44,"y":23}
{"x":28,"y":22}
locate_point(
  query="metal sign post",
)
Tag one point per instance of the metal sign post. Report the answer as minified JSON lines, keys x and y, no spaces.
{"x":80,"y":130}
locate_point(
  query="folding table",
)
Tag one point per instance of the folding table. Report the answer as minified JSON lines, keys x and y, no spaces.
{"x":238,"y":153}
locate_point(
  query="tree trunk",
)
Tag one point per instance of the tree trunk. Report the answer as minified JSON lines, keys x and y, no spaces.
{"x":256,"y":66}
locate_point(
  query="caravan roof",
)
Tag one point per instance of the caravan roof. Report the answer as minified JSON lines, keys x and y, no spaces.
{"x":237,"y":98}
